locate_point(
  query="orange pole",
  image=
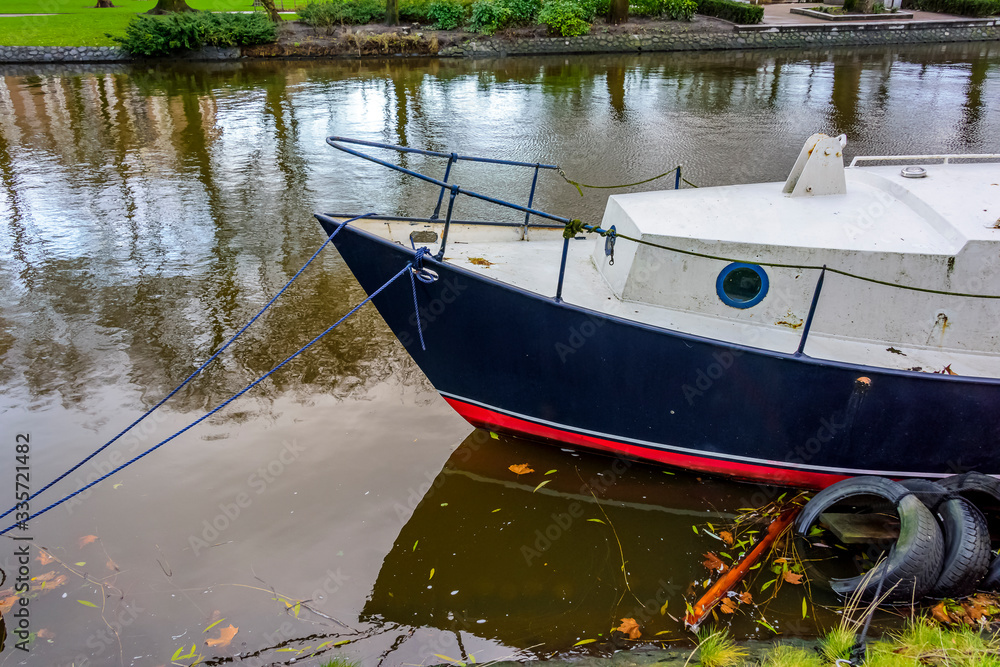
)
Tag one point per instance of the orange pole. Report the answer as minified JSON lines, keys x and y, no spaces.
{"x":735,"y":574}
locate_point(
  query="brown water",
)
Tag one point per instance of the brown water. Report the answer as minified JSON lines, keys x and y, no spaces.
{"x":147,"y":213}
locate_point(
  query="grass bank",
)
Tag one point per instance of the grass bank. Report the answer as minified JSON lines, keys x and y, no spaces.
{"x":79,"y":23}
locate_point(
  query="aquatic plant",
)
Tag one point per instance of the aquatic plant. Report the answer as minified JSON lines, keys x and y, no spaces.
{"x":717,"y":649}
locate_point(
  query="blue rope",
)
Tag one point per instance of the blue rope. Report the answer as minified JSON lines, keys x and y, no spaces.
{"x":217,"y":408}
{"x":192,"y":376}
{"x":418,"y":266}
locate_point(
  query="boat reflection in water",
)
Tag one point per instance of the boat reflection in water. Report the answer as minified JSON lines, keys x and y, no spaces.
{"x":535,"y":561}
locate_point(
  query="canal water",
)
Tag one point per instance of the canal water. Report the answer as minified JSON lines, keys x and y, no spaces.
{"x":147,"y":212}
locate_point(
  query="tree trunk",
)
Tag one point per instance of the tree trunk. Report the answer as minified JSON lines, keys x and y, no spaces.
{"x":864,"y":6}
{"x":170,"y":7}
{"x":619,"y":11}
{"x":271,"y":10}
{"x":103,"y":4}
{"x":392,"y":12}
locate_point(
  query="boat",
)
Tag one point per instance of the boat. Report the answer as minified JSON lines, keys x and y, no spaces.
{"x":841,"y":323}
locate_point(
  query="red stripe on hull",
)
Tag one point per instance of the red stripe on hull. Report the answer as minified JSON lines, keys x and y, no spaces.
{"x":486,"y":418}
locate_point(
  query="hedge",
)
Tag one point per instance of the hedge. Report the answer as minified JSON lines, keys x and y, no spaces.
{"x":162,"y":35}
{"x":976,"y":8}
{"x":730,"y":10}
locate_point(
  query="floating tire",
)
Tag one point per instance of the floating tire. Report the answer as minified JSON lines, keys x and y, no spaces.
{"x":966,"y":538}
{"x":913,"y":563}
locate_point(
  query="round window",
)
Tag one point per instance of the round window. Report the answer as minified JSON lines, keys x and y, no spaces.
{"x":741,"y":285}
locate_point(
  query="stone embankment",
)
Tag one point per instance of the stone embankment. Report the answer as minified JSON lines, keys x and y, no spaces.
{"x":764,"y":36}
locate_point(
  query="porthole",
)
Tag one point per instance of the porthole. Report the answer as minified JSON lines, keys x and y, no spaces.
{"x":741,"y":285}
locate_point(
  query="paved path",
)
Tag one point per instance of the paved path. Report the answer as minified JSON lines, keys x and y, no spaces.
{"x":16,"y":15}
{"x":780,"y":14}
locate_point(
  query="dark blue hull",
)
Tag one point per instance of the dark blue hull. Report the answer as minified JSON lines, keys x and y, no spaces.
{"x":511,"y":360}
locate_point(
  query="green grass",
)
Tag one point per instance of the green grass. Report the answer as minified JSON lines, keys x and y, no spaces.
{"x":78,"y":23}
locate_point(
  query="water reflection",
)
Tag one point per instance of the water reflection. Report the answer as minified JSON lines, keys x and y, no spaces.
{"x":535,"y":561}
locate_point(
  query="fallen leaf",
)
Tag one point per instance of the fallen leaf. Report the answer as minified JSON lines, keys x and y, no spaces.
{"x":584,"y":641}
{"x":791,"y":577}
{"x":226,"y":635}
{"x":939,"y":614}
{"x":727,"y":606}
{"x":85,"y":540}
{"x":520,"y":469}
{"x":746,"y":598}
{"x":541,"y":485}
{"x":58,"y":581}
{"x":663,"y":609}
{"x":87,"y":603}
{"x":51,"y":574}
{"x":726,"y":536}
{"x":7,"y":604}
{"x":111,"y":566}
{"x":480,"y":261}
{"x":45,"y":633}
{"x":44,"y":558}
{"x":714,"y":563}
{"x":630,"y":627}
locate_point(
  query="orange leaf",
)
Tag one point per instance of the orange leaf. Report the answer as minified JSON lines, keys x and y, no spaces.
{"x":939,"y":614}
{"x":45,"y":633}
{"x":727,"y":606}
{"x":55,"y":583}
{"x":714,"y":563}
{"x":44,"y":558}
{"x":630,"y":627}
{"x":746,"y":598}
{"x":85,"y":540}
{"x":7,"y":604}
{"x":226,"y":635}
{"x":112,"y":566}
{"x":791,"y":577}
{"x":520,"y":469}
{"x":727,"y":537}
{"x":45,"y":577}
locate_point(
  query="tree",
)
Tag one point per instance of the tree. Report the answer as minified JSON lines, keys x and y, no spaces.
{"x":103,"y":4}
{"x":392,"y":12}
{"x":170,"y":7}
{"x":619,"y":11}
{"x":272,"y":12}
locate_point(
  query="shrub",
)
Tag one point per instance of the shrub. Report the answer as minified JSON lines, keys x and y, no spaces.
{"x":488,"y":17}
{"x":976,"y":8}
{"x":336,"y":12}
{"x":566,"y":18}
{"x":730,"y":10}
{"x":523,"y":12}
{"x":161,"y":35}
{"x":675,"y":9}
{"x":446,"y":14}
{"x":414,"y":11}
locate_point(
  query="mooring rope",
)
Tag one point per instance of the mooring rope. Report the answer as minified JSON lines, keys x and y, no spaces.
{"x":576,"y":226}
{"x":229,"y":400}
{"x":579,"y":186}
{"x":195,"y":373}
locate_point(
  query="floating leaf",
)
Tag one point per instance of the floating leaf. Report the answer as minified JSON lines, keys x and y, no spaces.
{"x":726,"y":536}
{"x":342,"y":642}
{"x":226,"y":635}
{"x":584,"y":641}
{"x":432,"y":575}
{"x":118,"y":485}
{"x":494,"y":435}
{"x":451,"y":660}
{"x":666,"y":472}
{"x":297,"y":609}
{"x":80,"y":564}
{"x":177,"y":654}
{"x":213,"y":625}
{"x":595,"y":520}
{"x":746,"y":598}
{"x":630,"y":627}
{"x":727,"y":606}
{"x":550,"y":471}
{"x":45,"y":577}
{"x":805,"y":608}
{"x":444,"y":504}
{"x":87,"y":603}
{"x":520,"y":469}
{"x":44,"y":558}
{"x":663,"y":632}
{"x":111,"y":565}
{"x":85,"y":540}
{"x":6,"y":604}
{"x":695,"y":529}
{"x":663,"y":609}
{"x":415,"y":545}
{"x":766,"y":625}
{"x":766,"y":585}
{"x":541,"y":485}
{"x":714,"y":563}
{"x":495,"y":511}
{"x":792,"y":578}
